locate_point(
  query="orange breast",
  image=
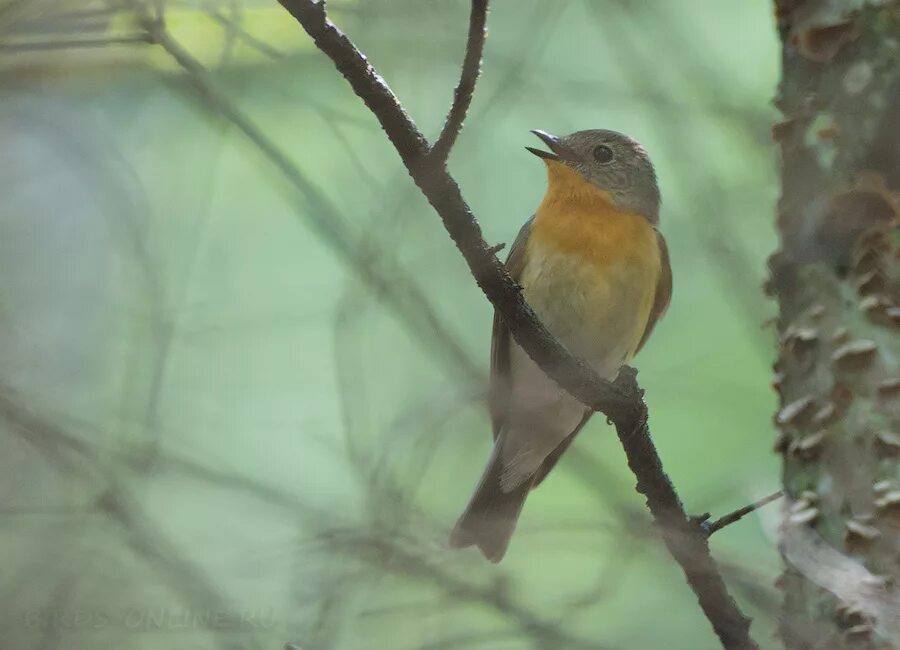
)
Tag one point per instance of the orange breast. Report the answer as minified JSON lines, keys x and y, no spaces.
{"x":591,"y":270}
{"x":577,"y":218}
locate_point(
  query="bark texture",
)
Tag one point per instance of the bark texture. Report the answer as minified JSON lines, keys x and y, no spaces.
{"x":836,"y":277}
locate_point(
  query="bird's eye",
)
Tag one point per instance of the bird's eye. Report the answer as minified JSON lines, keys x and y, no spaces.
{"x":603,"y":154}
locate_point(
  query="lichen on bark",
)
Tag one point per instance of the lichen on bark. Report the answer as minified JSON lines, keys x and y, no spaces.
{"x":836,"y":277}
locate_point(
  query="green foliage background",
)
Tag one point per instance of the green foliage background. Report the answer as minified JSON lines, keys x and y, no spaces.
{"x":211,"y":404}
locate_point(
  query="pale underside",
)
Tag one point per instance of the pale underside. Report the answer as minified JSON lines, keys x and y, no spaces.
{"x":575,"y":304}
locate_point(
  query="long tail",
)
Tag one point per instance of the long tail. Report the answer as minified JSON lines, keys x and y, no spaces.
{"x":490,"y":518}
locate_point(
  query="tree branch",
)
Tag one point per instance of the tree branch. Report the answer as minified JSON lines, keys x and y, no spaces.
{"x":740,"y":513}
{"x":462,"y":96}
{"x":622,"y":402}
{"x":444,"y":195}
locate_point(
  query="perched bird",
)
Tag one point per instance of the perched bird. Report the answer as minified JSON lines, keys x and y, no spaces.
{"x":595,"y":269}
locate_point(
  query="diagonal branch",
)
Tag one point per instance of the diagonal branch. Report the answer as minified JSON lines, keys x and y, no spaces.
{"x":462,"y":96}
{"x":622,"y":402}
{"x":444,"y":195}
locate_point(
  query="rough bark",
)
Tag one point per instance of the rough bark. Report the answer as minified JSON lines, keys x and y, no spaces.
{"x":836,"y":277}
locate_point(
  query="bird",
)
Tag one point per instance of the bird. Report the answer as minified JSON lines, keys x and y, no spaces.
{"x":594,"y":267}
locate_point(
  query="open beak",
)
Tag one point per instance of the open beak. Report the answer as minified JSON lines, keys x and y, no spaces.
{"x":558,"y":151}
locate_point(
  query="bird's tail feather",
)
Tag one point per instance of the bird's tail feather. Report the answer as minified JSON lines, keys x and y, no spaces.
{"x":490,"y":517}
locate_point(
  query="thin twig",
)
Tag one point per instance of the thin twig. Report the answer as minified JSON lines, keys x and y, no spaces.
{"x":465,"y":89}
{"x":740,"y":513}
{"x":621,"y":402}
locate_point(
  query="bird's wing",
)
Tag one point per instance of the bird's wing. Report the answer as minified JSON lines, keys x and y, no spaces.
{"x":663,"y":290}
{"x":500,"y":338}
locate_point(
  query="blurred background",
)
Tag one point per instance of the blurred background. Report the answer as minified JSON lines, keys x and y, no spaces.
{"x":242,"y":366}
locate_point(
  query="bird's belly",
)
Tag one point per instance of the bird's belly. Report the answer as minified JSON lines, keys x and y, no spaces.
{"x":599,"y":312}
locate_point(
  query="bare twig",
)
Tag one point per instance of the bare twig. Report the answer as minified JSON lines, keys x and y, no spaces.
{"x":740,"y":513}
{"x":621,"y":402}
{"x":462,"y":96}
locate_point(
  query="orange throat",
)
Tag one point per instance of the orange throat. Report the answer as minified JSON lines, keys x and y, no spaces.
{"x":576,"y":217}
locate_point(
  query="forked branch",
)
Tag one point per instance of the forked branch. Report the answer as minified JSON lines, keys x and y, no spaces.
{"x":465,"y":89}
{"x":622,"y":402}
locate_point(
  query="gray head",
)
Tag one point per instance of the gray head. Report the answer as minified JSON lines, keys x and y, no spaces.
{"x":612,"y":162}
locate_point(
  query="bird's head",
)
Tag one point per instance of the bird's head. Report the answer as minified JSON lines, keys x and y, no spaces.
{"x":611,"y":162}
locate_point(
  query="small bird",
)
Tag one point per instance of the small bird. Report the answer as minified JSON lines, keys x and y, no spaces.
{"x":595,"y":269}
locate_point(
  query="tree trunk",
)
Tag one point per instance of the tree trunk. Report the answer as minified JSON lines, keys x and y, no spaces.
{"x":836,"y":277}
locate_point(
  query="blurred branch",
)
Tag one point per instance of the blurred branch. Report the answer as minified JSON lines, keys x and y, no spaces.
{"x":533,"y":40}
{"x":400,"y":292}
{"x":389,"y":553}
{"x":147,"y":541}
{"x":471,"y":640}
{"x":117,"y":189}
{"x":622,"y":402}
{"x":622,"y":31}
{"x":462,"y":96}
{"x":115,"y":501}
{"x":235,"y":31}
{"x":74,"y":43}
